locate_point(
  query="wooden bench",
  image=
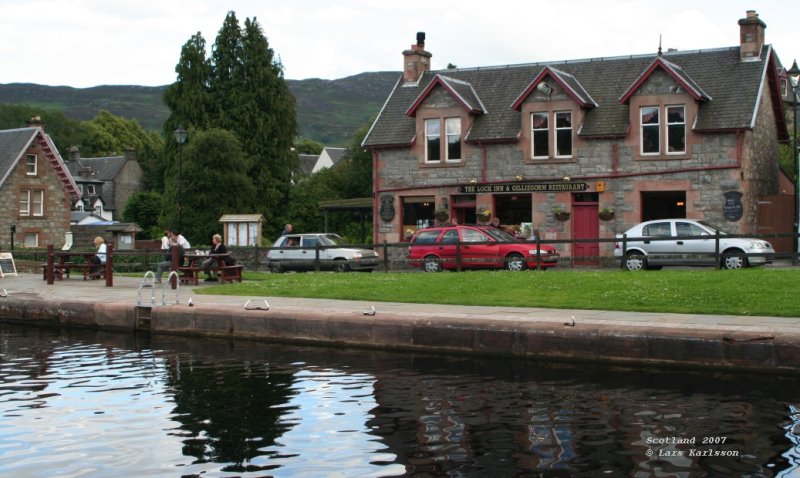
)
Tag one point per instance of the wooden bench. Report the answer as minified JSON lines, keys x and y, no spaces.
{"x":189,"y":274}
{"x":231,"y":273}
{"x":63,"y":269}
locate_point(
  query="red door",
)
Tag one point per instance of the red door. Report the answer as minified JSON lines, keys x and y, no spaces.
{"x":585,"y":225}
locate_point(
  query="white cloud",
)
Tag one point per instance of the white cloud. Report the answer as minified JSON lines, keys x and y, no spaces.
{"x":90,"y":42}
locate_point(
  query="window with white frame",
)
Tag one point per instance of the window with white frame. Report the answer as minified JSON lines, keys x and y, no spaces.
{"x":31,"y":166}
{"x":551,"y":128}
{"x":31,"y":202}
{"x":563,"y":134}
{"x":672,"y":129}
{"x":31,"y":239}
{"x":445,"y":147}
{"x":650,"y":130}
{"x":90,"y":190}
{"x":784,"y":88}
{"x":676,"y":129}
{"x":540,"y":135}
{"x":453,"y":131}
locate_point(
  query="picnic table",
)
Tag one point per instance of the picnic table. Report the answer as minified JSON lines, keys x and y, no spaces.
{"x":60,"y":264}
{"x":190,"y":272}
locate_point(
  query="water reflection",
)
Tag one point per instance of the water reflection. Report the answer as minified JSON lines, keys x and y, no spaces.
{"x":95,"y":404}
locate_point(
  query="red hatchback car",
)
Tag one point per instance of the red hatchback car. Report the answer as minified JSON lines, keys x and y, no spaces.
{"x":444,"y":247}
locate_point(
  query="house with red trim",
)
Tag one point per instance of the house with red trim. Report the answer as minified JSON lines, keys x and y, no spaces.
{"x":36,"y":189}
{"x":585,"y":149}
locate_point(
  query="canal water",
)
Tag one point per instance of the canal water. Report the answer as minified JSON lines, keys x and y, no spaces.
{"x":91,"y":404}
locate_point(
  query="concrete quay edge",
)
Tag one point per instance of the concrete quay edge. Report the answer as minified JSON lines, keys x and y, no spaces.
{"x":761,"y":344}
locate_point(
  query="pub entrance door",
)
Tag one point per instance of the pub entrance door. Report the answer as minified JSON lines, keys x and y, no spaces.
{"x":585,"y":225}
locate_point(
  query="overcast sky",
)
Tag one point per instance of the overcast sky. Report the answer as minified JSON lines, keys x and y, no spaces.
{"x":84,"y":43}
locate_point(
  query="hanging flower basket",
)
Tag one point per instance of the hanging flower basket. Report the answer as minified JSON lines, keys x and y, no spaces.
{"x":606,"y":214}
{"x":561,"y":215}
{"x":483,"y":216}
{"x":441,"y":215}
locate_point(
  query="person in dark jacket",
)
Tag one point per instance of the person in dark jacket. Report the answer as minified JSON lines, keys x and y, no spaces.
{"x":217,"y":247}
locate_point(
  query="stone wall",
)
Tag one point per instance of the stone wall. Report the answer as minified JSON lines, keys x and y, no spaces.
{"x":52,"y":226}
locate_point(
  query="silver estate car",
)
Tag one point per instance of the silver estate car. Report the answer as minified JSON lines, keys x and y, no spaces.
{"x":684,"y":242}
{"x":299,"y":252}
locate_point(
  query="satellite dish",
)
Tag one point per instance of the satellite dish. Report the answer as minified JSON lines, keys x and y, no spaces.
{"x":545,"y":88}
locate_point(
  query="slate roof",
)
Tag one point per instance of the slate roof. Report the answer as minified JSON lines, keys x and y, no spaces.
{"x":336,"y":154}
{"x":15,"y":142}
{"x":306,"y":163}
{"x":730,"y":88}
{"x":103,"y":169}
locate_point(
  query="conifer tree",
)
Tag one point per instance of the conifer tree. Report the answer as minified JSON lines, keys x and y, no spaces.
{"x":188,"y":98}
{"x":241,"y":90}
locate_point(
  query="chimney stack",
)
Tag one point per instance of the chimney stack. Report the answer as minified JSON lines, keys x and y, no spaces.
{"x":74,"y":154}
{"x":130,"y":154}
{"x":416,"y":61}
{"x":751,"y":37}
{"x":35,"y":122}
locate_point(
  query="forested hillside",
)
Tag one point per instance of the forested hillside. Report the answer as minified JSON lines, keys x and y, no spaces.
{"x":328,"y":111}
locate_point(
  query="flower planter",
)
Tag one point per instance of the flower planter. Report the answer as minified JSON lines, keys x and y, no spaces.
{"x":561,"y":216}
{"x":606,"y":215}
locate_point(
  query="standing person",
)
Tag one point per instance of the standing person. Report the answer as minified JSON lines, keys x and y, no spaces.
{"x":100,"y":257}
{"x":165,"y":244}
{"x":217,"y":247}
{"x":287,"y":229}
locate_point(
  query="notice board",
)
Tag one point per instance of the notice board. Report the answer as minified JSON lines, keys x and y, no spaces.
{"x":7,"y":266}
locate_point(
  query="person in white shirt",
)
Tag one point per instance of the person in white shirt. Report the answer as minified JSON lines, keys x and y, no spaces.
{"x":100,"y":256}
{"x":175,"y":239}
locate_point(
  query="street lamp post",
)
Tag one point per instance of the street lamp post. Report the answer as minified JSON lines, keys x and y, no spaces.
{"x":794,"y":82}
{"x":180,"y":137}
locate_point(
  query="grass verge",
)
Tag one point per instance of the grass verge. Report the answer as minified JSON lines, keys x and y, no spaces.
{"x":757,"y":291}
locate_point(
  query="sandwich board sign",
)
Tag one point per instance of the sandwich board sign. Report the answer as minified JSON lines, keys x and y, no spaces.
{"x":7,"y":266}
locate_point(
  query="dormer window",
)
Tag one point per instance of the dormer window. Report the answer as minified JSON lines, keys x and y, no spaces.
{"x":543,"y":135}
{"x":31,"y":166}
{"x":442,"y":140}
{"x":674,"y":131}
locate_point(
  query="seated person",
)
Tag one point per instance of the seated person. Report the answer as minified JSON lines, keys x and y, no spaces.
{"x":99,"y":259}
{"x":166,"y":263}
{"x":217,"y":247}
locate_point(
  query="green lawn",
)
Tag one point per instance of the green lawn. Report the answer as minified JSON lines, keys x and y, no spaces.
{"x":757,"y":291}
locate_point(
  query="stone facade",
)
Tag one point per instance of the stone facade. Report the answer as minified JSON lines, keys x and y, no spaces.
{"x":50,"y":228}
{"x":720,"y":104}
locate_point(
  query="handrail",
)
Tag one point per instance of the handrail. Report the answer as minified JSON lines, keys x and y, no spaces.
{"x":152,"y":275}
{"x":167,"y":284}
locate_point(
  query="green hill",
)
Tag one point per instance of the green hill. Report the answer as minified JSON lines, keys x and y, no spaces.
{"x":328,"y":111}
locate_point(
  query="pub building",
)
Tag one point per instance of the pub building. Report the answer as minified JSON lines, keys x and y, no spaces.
{"x":584,"y":149}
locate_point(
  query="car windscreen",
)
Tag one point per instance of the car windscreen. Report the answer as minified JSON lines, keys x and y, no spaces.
{"x":331,"y":240}
{"x":714,"y":227}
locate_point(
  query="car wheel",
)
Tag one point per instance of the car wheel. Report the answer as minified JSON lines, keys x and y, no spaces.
{"x":635,"y":261}
{"x":340,"y":265}
{"x":734,"y":259}
{"x":432,"y":264}
{"x":276,"y":268}
{"x":515,"y":262}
